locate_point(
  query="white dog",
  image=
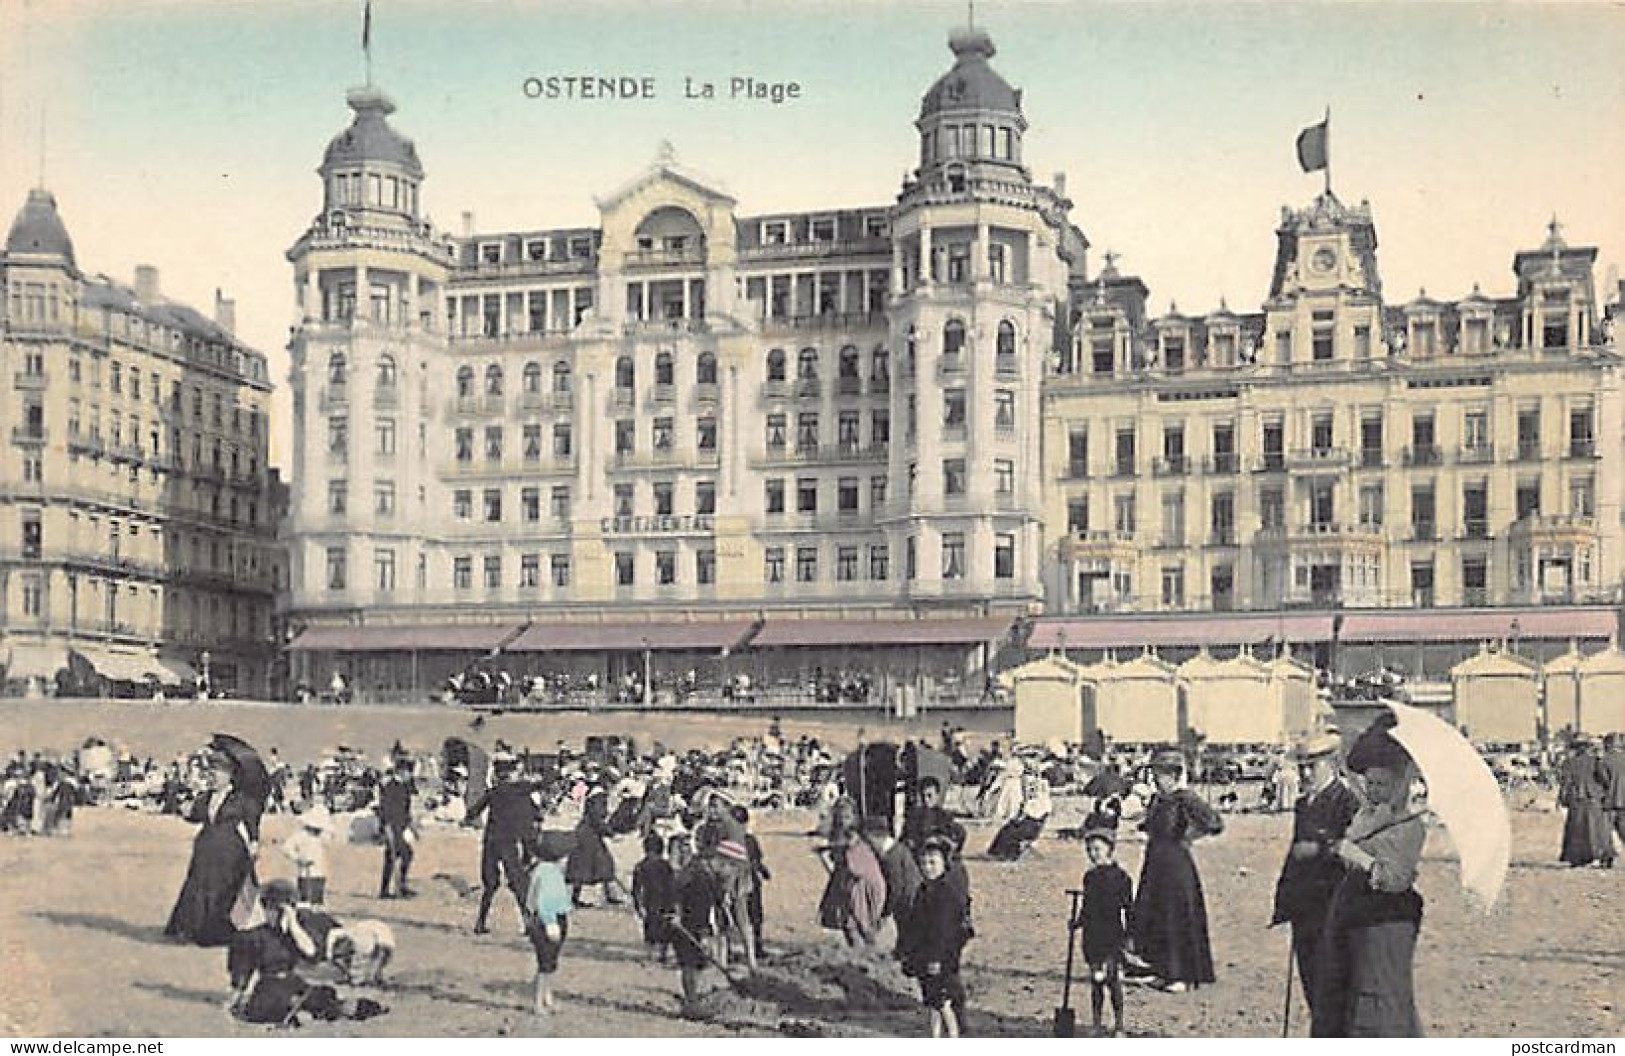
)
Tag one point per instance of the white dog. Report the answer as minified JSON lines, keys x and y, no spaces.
{"x":361,"y":950}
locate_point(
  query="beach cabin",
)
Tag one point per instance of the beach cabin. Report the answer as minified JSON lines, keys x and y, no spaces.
{"x":1234,"y":701}
{"x":1495,"y":698}
{"x":1048,"y":701}
{"x":1136,"y":702}
{"x":1585,"y":694}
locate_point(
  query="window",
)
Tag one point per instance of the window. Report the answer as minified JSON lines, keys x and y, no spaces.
{"x":1173,"y":586}
{"x":880,"y":428}
{"x":383,"y":498}
{"x":562,"y":447}
{"x":806,"y":564}
{"x":625,"y":373}
{"x":849,"y":363}
{"x":532,"y":379}
{"x":1077,"y":454}
{"x":1528,"y":499}
{"x":387,"y":372}
{"x":1004,"y":476}
{"x":1475,"y":510}
{"x":774,"y":502}
{"x":953,"y":555}
{"x":561,"y":378}
{"x":33,"y":597}
{"x":847,"y":430}
{"x":1077,"y":514}
{"x":1004,"y":410}
{"x":807,"y":495}
{"x":1125,"y":453}
{"x":663,"y":434}
{"x":665,"y":372}
{"x":953,"y":476}
{"x":465,"y":382}
{"x":493,"y":571}
{"x":1320,"y":433}
{"x":663,"y":493}
{"x":625,"y":437}
{"x":337,"y":374}
{"x":493,"y":443}
{"x":879,"y":561}
{"x":1582,"y":497}
{"x":338,"y":493}
{"x":705,"y":567}
{"x":773,"y":564}
{"x":530,"y":504}
{"x":953,"y":410}
{"x":1475,"y":430}
{"x":880,"y":367}
{"x":705,"y":431}
{"x":775,"y":432}
{"x":337,"y":567}
{"x":776,"y":365}
{"x":625,"y":571}
{"x":705,"y":498}
{"x":1222,"y":518}
{"x":807,"y":365}
{"x":493,"y":380}
{"x":846,"y":563}
{"x":1371,"y":500}
{"x":807,"y":433}
{"x":847,"y":495}
{"x":338,"y":436}
{"x":623,"y":500}
{"x":1422,"y":511}
{"x":953,"y":337}
{"x":492,"y":504}
{"x":462,"y":504}
{"x":384,"y":435}
{"x":558,"y":502}
{"x":464,"y":440}
{"x":1422,"y":584}
{"x":531,"y":441}
{"x":665,"y":567}
{"x":1173,"y":519}
{"x":383,"y":564}
{"x":560,"y":567}
{"x":530,"y":571}
{"x":910,"y":554}
{"x":877,"y":493}
{"x":1582,"y":443}
{"x":33,"y":535}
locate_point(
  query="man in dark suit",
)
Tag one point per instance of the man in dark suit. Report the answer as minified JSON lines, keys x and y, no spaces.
{"x":513,"y":821}
{"x":1613,"y":772}
{"x":395,"y":822}
{"x":1303,"y":893}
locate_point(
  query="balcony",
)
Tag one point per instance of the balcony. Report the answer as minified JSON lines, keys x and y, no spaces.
{"x":533,"y":401}
{"x":1006,"y":367}
{"x":1555,"y":528}
{"x":624,"y":396}
{"x":475,"y":405}
{"x":849,"y":387}
{"x":1099,"y":544}
{"x":1475,"y":528}
{"x":646,"y":259}
{"x":1222,"y":537}
{"x":953,"y":431}
{"x":950,"y":365}
{"x":1225,"y":462}
{"x":707,"y":392}
{"x":386,"y":399}
{"x":1580,"y":449}
{"x":1424,"y":532}
{"x":663,"y":394}
{"x":775,"y":389}
{"x":28,"y":434}
{"x":1477,"y":454}
{"x":824,"y":321}
{"x":24,"y":381}
{"x":1423,"y":455}
{"x":1313,"y":458}
{"x":1124,"y":467}
{"x":334,"y":397}
{"x":808,"y":387}
{"x":879,"y":386}
{"x":1527,"y":450}
{"x":1371,"y":458}
{"x":561,"y":401}
{"x":1475,"y":597}
{"x":665,"y":326}
{"x":1171,"y":466}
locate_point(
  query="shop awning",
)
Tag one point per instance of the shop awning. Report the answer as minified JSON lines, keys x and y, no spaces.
{"x":177,"y":672}
{"x":118,"y":666}
{"x":36,"y":661}
{"x":424,"y":638}
{"x":1443,"y":625}
{"x":697,"y":635}
{"x":856,"y":633}
{"x":1086,"y":632}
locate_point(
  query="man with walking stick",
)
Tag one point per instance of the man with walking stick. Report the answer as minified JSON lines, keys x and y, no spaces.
{"x":1311,"y":873}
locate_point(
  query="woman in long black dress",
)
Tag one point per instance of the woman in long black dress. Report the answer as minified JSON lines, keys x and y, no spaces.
{"x":265,"y":962}
{"x":1170,"y":913}
{"x":222,"y":860}
{"x":590,"y":861}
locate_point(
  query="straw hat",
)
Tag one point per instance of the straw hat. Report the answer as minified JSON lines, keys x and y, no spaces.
{"x":1316,"y":745}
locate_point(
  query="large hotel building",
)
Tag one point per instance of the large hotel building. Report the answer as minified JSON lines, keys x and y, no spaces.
{"x":786,"y":444}
{"x":137,"y":520}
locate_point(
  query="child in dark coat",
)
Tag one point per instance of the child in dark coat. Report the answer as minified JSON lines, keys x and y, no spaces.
{"x":1106,"y":919}
{"x":654,"y":896}
{"x":932,"y":936}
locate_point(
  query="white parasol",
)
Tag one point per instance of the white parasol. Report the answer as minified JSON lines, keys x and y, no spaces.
{"x":1464,"y":795}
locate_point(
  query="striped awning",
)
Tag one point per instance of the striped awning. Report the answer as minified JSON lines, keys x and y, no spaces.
{"x":35,"y":661}
{"x":118,"y":666}
{"x":1444,"y":625}
{"x":405,"y":639}
{"x":858,"y":633}
{"x":632,"y":636}
{"x":1228,"y":629}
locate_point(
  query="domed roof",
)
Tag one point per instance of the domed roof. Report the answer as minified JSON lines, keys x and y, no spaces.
{"x":971,"y":84}
{"x":39,"y":228}
{"x":369,"y":137}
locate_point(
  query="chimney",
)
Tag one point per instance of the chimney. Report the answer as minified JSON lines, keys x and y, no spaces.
{"x":146,"y":284}
{"x":468,"y":223}
{"x":1060,"y":185}
{"x":225,"y":312}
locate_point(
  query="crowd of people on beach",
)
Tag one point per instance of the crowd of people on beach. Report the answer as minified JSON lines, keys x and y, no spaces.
{"x":892,"y":836}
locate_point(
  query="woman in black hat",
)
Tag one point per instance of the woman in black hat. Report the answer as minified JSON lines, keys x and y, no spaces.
{"x":222,"y":865}
{"x":1170,"y":912}
{"x":1364,"y":978}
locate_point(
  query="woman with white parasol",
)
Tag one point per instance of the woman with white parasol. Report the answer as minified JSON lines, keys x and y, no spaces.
{"x":1365,"y":986}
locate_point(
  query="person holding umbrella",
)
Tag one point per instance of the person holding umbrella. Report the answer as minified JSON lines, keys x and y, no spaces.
{"x":1363,"y":980}
{"x":221,"y":871}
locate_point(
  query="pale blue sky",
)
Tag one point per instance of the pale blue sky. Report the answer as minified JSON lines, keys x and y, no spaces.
{"x":185,"y":133}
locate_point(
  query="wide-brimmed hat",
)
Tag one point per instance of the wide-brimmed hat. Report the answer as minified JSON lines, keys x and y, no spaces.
{"x":1100,"y":832}
{"x":1168,"y":759}
{"x":1316,"y":746}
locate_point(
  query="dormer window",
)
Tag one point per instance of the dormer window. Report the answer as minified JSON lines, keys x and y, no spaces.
{"x":1475,"y":335}
{"x":580,"y":248}
{"x":536,"y":250}
{"x":822,"y":229}
{"x":875,"y":227}
{"x":1173,"y":352}
{"x":775,"y":232}
{"x":1424,"y":337}
{"x":491,"y":253}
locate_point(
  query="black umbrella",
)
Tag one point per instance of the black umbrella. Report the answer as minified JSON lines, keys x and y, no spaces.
{"x":1107,"y":783}
{"x":248,"y":771}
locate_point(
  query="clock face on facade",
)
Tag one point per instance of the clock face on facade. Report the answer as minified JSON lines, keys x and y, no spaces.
{"x":1324,"y":260}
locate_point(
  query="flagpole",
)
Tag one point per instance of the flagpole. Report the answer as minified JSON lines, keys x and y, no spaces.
{"x":1328,"y":150}
{"x":366,"y":40}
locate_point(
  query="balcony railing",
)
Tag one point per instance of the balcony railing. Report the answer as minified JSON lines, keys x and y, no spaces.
{"x":472,"y":405}
{"x":951,"y":364}
{"x":1371,"y":458}
{"x":1475,"y":455}
{"x":1555,"y":524}
{"x":849,"y":386}
{"x":1422,"y":455}
{"x":1318,"y":458}
{"x":1582,"y":449}
{"x":1123,"y":468}
{"x":879,"y":386}
{"x":1223,"y":462}
{"x":1171,"y":466}
{"x":1475,"y":529}
{"x":624,"y":396}
{"x":1424,"y":532}
{"x":775,"y":389}
{"x":808,"y":387}
{"x":30,"y":382}
{"x":688,"y":256}
{"x":26,"y":434}
{"x":1006,"y":366}
{"x":707,"y":392}
{"x":1528,"y":450}
{"x":1272,"y":462}
{"x":662,"y":394}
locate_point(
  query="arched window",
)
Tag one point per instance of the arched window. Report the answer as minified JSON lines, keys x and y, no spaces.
{"x":775,"y":365}
{"x":705,"y":369}
{"x":1007,"y":338}
{"x":561,"y":377}
{"x":386,"y":371}
{"x":533,"y":377}
{"x":625,"y":375}
{"x":493,"y":380}
{"x":911,"y":351}
{"x":807,"y":365}
{"x":953,"y":338}
{"x":665,"y":373}
{"x":849,"y":362}
{"x":465,"y":382}
{"x":337,"y":369}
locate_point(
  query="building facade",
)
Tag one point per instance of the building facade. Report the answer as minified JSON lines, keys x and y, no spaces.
{"x":818,"y":432}
{"x":137,"y":539}
{"x":686,"y":410}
